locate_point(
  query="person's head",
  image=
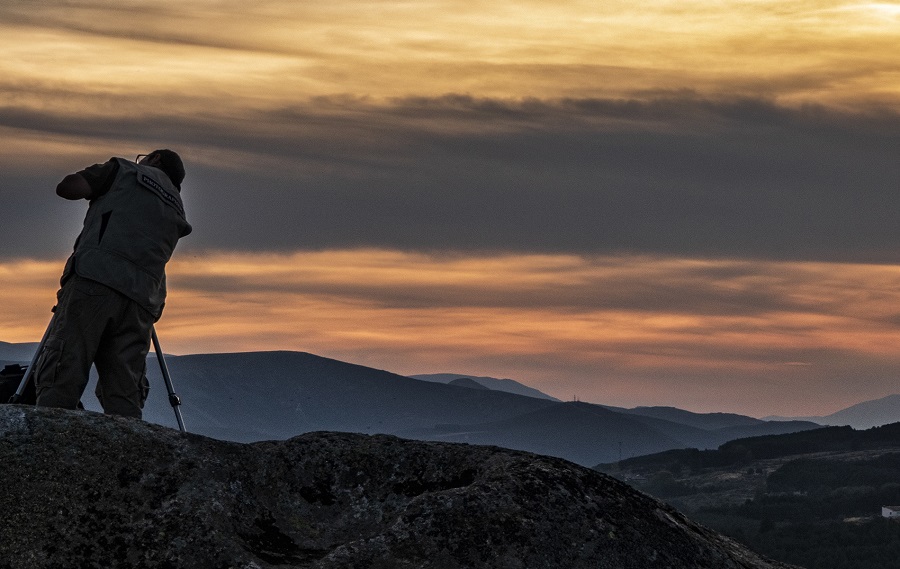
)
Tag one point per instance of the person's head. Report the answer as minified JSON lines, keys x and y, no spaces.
{"x":169,"y":162}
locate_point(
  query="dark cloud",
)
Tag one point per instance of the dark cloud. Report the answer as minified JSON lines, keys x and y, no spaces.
{"x":674,"y":174}
{"x":35,"y":223}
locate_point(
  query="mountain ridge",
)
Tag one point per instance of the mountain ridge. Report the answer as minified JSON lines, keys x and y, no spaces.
{"x":254,"y":396}
{"x":508,"y":385}
{"x":863,"y":415}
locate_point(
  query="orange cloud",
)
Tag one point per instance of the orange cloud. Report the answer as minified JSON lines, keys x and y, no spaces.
{"x":622,"y":329}
{"x":272,"y":53}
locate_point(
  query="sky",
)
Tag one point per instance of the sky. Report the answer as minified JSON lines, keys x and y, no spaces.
{"x":686,"y":203}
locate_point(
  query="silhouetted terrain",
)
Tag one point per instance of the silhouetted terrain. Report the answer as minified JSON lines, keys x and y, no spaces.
{"x":247,"y":397}
{"x":812,"y":498}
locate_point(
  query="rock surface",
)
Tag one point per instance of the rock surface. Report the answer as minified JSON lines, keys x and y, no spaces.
{"x":85,"y":490}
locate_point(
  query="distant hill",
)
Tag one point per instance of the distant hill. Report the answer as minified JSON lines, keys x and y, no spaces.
{"x":699,"y":420}
{"x":863,"y":415}
{"x":581,"y":431}
{"x":275,"y":395}
{"x":577,"y":431}
{"x":256,"y":396}
{"x":867,"y":414}
{"x":466,"y":382}
{"x":812,"y":498}
{"x":14,"y":353}
{"x":507,"y":385}
{"x":768,"y":447}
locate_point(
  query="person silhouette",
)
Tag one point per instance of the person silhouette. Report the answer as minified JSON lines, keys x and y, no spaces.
{"x":113,"y":286}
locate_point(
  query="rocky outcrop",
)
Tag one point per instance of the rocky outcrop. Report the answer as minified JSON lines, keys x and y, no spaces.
{"x":85,"y":490}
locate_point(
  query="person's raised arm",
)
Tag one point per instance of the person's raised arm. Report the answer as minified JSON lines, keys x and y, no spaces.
{"x":74,"y":187}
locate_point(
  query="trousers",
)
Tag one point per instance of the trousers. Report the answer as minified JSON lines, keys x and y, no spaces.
{"x":95,"y":324}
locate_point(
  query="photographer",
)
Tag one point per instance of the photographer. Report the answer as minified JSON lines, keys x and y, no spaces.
{"x":113,"y":287}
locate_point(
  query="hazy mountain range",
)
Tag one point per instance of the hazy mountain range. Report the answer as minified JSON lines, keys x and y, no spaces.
{"x":256,"y":396}
{"x":508,"y":385}
{"x":863,"y":415}
{"x":17,"y":352}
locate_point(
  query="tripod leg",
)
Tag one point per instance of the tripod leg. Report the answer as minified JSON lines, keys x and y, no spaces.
{"x":29,"y":371}
{"x":174,"y":400}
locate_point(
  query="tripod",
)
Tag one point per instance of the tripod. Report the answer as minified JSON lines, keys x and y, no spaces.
{"x":174,"y":400}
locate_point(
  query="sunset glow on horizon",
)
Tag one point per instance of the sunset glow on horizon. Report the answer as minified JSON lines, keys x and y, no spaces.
{"x":595,"y":321}
{"x":674,"y":203}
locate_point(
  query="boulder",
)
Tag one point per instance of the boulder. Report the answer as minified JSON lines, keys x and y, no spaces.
{"x":86,"y":490}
